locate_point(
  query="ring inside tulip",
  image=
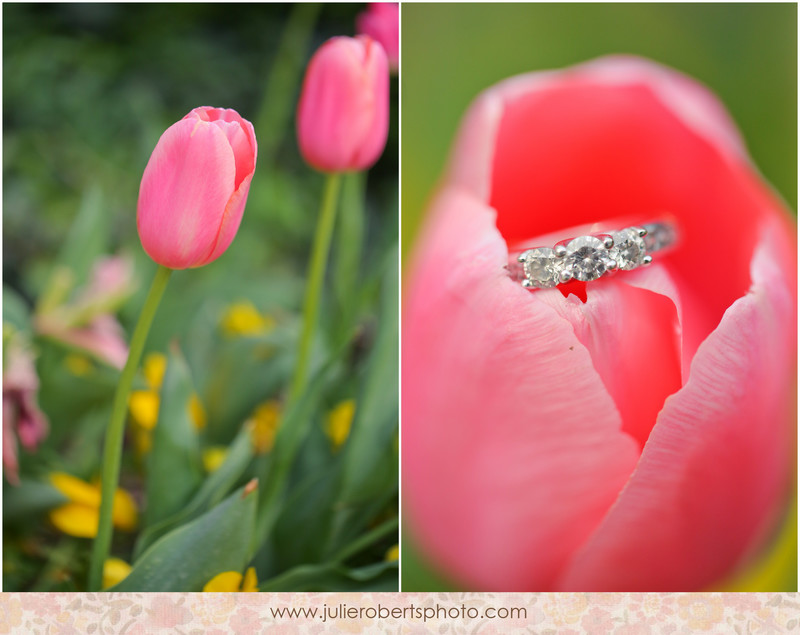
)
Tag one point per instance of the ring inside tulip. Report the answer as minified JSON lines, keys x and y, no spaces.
{"x":633,"y":441}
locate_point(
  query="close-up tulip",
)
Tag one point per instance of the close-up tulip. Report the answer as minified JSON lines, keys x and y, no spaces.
{"x":381,"y":21}
{"x":639,"y":437}
{"x":195,"y":187}
{"x":343,"y":115}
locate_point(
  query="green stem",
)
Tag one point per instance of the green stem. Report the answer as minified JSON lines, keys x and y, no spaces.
{"x":366,"y":540}
{"x":349,"y":242}
{"x":112,"y":452}
{"x":316,"y":276}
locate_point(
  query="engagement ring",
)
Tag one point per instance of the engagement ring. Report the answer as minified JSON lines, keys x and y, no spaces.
{"x":590,"y":257}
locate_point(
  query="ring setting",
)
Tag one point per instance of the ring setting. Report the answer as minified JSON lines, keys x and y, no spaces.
{"x":590,"y":257}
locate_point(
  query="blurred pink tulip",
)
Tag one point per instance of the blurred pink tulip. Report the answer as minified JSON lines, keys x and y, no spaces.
{"x":642,"y":440}
{"x":381,"y":21}
{"x":195,"y":187}
{"x":343,"y":115}
{"x":88,"y":322}
{"x":22,"y":418}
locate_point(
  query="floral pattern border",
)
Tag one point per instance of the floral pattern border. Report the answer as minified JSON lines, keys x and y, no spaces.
{"x":545,"y":613}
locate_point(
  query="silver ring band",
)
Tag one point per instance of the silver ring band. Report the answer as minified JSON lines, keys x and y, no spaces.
{"x":590,"y":257}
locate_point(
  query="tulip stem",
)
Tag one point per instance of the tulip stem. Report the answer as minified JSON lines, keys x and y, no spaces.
{"x":316,"y":275}
{"x":112,"y":451}
{"x":349,"y":242}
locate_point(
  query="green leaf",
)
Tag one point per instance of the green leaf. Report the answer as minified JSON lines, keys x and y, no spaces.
{"x":88,"y":236}
{"x":369,"y":470}
{"x":15,"y":310}
{"x":174,"y":466}
{"x":293,"y":430}
{"x":274,"y":115}
{"x":213,"y":490}
{"x":300,"y":533}
{"x":188,"y":557}
{"x":29,"y":498}
{"x":380,"y":576}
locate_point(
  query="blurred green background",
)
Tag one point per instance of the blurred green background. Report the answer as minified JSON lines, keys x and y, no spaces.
{"x":88,"y":89}
{"x":745,"y":53}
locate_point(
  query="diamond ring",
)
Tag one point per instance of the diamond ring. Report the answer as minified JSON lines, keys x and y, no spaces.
{"x":589,"y":257}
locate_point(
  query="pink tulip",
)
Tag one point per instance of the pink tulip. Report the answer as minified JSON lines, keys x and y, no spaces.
{"x":195,"y":186}
{"x":343,"y":115}
{"x":88,"y":322}
{"x":642,"y":440}
{"x":23,"y":420}
{"x":381,"y":21}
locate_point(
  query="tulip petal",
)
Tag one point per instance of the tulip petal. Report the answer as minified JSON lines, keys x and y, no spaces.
{"x":633,"y":336}
{"x":715,"y":472}
{"x":242,"y":150}
{"x":231,"y":219}
{"x":185,"y":189}
{"x":240,"y":134}
{"x":525,"y":449}
{"x":242,"y":138}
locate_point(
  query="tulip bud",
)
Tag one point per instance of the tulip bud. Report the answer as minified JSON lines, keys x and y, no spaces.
{"x":381,"y":21}
{"x":343,"y":116}
{"x":195,"y":186}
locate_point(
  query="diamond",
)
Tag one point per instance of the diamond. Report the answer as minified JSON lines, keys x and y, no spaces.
{"x":586,"y":258}
{"x":629,"y":249}
{"x":659,"y":236}
{"x":541,"y":267}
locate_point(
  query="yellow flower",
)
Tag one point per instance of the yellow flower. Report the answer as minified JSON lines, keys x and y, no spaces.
{"x":393,"y":553}
{"x":339,"y":422}
{"x":78,"y":365}
{"x":114,"y":572}
{"x":233,"y":582}
{"x":214,"y":457}
{"x":266,"y":419}
{"x":79,"y":517}
{"x":144,"y":405}
{"x":197,"y":413}
{"x":243,"y":319}
{"x":153,"y":368}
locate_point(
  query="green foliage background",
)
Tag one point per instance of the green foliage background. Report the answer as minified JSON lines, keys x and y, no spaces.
{"x":746,"y":53}
{"x":88,"y":89}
